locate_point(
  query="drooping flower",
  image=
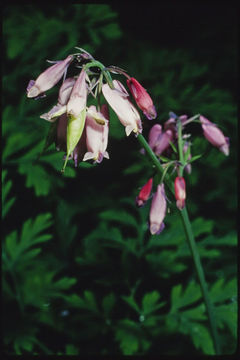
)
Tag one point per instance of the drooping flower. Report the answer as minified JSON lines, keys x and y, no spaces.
{"x":63,"y":97}
{"x":180,"y":191}
{"x":142,"y":98}
{"x":163,"y":142}
{"x":96,"y":135}
{"x":118,"y":99}
{"x":144,"y":193}
{"x":153,"y":135}
{"x":214,"y":135}
{"x":49,"y":78}
{"x":158,"y":210}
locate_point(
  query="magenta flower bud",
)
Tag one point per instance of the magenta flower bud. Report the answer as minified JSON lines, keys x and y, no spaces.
{"x":144,"y":193}
{"x":48,"y":78}
{"x":128,"y":115}
{"x":153,"y":135}
{"x":163,"y":142}
{"x":180,"y":192}
{"x":142,"y":98}
{"x":158,"y":210}
{"x":96,"y":136}
{"x":214,"y":135}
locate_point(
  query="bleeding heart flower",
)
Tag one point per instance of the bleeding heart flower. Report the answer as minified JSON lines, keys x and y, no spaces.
{"x":158,"y":210}
{"x":180,"y":192}
{"x":214,"y":135}
{"x":48,"y":78}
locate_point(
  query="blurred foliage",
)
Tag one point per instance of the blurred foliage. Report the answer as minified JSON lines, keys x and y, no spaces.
{"x":79,"y":265}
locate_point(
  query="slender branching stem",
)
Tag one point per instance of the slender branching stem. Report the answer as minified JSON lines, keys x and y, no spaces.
{"x":188,"y":232}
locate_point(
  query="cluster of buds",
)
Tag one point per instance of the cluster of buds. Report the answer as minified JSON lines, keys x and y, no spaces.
{"x":172,"y":147}
{"x":82,"y":131}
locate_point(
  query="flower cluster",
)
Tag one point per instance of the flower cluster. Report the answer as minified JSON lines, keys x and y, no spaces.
{"x":173,"y":148}
{"x":81,"y":131}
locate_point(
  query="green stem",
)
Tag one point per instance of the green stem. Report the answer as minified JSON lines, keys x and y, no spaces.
{"x":201,"y":278}
{"x":190,"y":238}
{"x":103,"y":69}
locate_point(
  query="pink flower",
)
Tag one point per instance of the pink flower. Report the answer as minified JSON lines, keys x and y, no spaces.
{"x":48,"y":78}
{"x":153,"y":135}
{"x":180,"y":192}
{"x":119,"y":102}
{"x":144,"y":193}
{"x":78,"y":98}
{"x":142,"y":98}
{"x":214,"y":135}
{"x":63,"y":97}
{"x":188,"y":167}
{"x":158,"y":210}
{"x":163,"y":142}
{"x":96,"y":135}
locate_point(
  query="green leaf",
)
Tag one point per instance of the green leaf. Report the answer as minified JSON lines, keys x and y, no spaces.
{"x":180,"y":298}
{"x":150,"y":302}
{"x":19,"y":248}
{"x":131,"y":302}
{"x":108,"y":303}
{"x":6,"y":187}
{"x":127,"y":334}
{"x":202,"y":338}
{"x":36,"y":177}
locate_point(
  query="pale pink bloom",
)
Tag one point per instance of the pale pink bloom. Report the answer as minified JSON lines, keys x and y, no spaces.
{"x":158,"y":210}
{"x":144,"y":193}
{"x":78,"y":98}
{"x":214,"y":135}
{"x":63,"y":97}
{"x":180,"y":191}
{"x":142,"y":98}
{"x":48,"y":78}
{"x":119,"y":102}
{"x":96,"y":135}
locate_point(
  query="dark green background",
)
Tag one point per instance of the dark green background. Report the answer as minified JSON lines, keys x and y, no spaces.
{"x":185,"y":55}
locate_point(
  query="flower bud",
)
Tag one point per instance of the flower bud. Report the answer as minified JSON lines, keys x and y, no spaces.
{"x":214,"y":135}
{"x":180,"y":192}
{"x":48,"y":78}
{"x":96,"y":136}
{"x":158,"y":210}
{"x":144,"y":193}
{"x":126,"y":112}
{"x":142,"y":98}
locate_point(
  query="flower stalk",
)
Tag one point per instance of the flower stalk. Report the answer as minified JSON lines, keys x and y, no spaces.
{"x":189,"y":234}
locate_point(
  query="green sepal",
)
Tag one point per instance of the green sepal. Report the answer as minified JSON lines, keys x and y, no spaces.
{"x":74,"y":132}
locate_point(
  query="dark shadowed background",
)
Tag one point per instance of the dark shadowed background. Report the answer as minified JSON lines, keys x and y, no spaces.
{"x":81,"y":273}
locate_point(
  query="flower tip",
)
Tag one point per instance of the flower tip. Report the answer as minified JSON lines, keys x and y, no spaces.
{"x":154,"y":228}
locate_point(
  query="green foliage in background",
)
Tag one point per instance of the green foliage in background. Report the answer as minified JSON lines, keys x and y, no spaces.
{"x":79,"y":266}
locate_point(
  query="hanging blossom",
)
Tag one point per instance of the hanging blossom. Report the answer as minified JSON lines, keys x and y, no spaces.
{"x":81,"y":131}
